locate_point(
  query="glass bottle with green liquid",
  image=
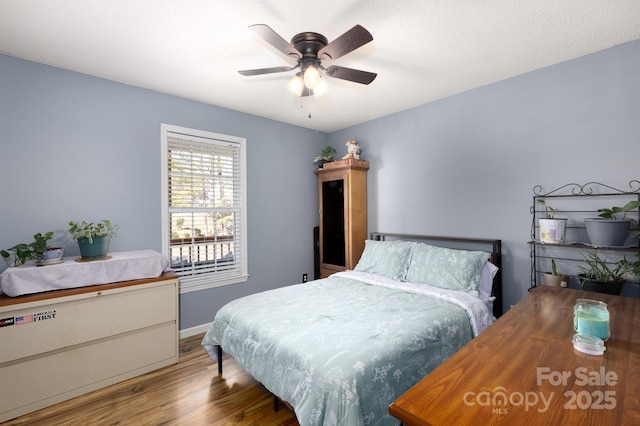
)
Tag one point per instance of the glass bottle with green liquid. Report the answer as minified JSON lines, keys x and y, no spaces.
{"x":591,"y":317}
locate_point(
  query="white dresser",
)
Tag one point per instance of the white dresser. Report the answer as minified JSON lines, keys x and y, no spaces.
{"x":60,"y":344}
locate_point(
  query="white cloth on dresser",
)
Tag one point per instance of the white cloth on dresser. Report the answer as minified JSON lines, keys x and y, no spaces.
{"x":122,"y":266}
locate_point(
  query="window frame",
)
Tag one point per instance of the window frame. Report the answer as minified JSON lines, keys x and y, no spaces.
{"x":206,"y":280}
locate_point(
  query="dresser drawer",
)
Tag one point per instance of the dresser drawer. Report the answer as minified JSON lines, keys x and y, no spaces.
{"x":55,"y":324}
{"x":64,"y":344}
{"x":42,"y":381}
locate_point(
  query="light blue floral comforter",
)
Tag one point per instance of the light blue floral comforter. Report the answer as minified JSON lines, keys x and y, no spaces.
{"x":341,"y":349}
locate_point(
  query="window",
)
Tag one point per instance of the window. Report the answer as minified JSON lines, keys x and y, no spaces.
{"x":204,"y":207}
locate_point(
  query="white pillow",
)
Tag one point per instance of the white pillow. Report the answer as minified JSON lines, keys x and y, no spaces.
{"x":485,"y":285}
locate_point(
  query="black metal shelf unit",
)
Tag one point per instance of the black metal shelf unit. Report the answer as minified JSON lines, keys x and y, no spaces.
{"x":575,"y":203}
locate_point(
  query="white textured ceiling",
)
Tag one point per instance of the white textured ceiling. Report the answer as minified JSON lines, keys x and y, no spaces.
{"x":422,"y":50}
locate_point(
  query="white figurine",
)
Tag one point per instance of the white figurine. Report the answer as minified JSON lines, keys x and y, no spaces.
{"x":353,"y":150}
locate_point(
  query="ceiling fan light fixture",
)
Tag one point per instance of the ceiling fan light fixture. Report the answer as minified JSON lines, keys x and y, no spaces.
{"x":321,"y":88}
{"x":311,"y":77}
{"x":296,"y":84}
{"x":310,"y":49}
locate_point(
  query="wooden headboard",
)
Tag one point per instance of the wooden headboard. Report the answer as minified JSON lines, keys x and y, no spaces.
{"x":462,"y":244}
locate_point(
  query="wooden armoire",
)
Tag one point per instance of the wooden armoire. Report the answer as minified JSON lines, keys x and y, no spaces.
{"x":342,"y":200}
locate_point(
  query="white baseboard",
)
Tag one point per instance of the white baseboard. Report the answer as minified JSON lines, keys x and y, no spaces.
{"x":188,"y":332}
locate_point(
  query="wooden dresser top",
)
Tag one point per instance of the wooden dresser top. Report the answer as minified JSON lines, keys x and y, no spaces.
{"x":524,"y":370}
{"x":6,"y":300}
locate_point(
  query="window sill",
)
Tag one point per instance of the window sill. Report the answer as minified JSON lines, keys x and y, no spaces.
{"x":189,"y":284}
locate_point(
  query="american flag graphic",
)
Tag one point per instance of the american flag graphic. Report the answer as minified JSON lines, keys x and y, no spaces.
{"x":24,"y":319}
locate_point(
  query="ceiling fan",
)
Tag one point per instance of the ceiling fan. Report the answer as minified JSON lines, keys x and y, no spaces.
{"x":310,"y":49}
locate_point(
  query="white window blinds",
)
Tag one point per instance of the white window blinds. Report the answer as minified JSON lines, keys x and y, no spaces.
{"x":205,"y":208}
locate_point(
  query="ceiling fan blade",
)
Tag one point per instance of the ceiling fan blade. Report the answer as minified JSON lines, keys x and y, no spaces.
{"x":275,"y":40}
{"x":357,"y":76}
{"x":348,"y":42}
{"x":261,"y":71}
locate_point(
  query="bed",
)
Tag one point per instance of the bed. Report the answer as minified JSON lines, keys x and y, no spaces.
{"x":339,"y":350}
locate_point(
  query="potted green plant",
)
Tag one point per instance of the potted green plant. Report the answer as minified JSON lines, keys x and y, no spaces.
{"x":602,"y":276}
{"x":612,"y":227}
{"x":636,"y":268}
{"x":325,"y":157}
{"x":22,"y":252}
{"x":552,"y":229}
{"x":93,"y":238}
{"x":555,"y":278}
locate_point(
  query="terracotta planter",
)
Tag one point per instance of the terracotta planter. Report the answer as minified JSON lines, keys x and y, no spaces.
{"x":556,"y":280}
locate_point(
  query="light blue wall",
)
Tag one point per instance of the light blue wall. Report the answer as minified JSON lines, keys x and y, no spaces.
{"x":76,"y":147}
{"x":466,"y":165}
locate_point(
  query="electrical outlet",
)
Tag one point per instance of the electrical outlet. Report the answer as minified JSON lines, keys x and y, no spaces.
{"x":305,"y":278}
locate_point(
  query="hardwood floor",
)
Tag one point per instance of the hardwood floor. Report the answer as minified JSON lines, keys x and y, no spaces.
{"x":188,"y":393}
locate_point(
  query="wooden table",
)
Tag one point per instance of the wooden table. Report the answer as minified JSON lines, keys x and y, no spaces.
{"x":524,"y":370}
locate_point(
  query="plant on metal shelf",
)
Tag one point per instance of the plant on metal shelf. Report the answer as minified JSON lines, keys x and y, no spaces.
{"x":602,"y":276}
{"x":548,"y":210}
{"x":552,"y":230}
{"x":612,"y":226}
{"x":555,"y":278}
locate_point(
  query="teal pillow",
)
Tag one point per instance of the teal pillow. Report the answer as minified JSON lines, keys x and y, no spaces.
{"x":386,"y":258}
{"x":446,"y":268}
